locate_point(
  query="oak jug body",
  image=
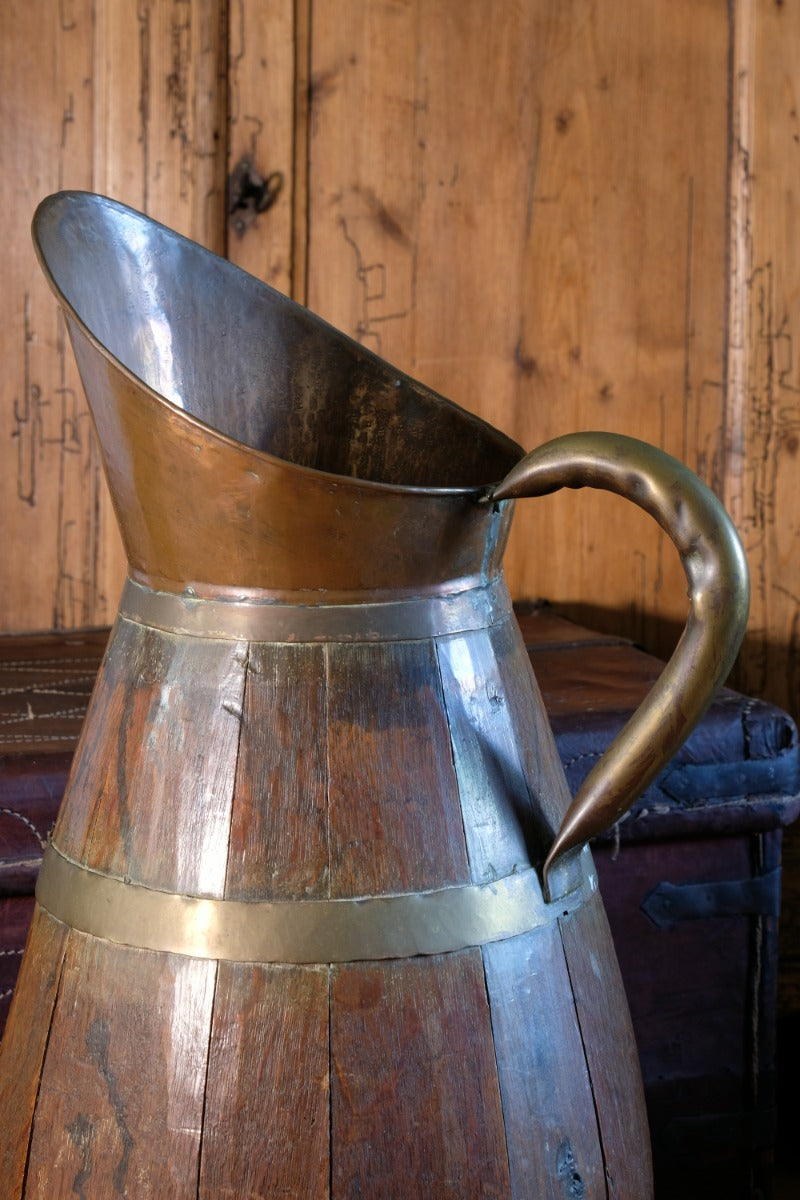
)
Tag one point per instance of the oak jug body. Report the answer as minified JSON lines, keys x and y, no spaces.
{"x":318,"y":917}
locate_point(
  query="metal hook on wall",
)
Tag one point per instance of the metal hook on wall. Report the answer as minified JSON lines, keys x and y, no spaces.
{"x":250,"y":193}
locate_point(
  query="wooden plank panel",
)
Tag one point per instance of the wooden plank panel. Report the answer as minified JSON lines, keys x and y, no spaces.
{"x":763,"y":373}
{"x":262,"y":126}
{"x":154,"y":773}
{"x":395,"y":816}
{"x":159,"y":134}
{"x":364,"y":189}
{"x":59,"y":558}
{"x":302,"y":110}
{"x":763,"y":383}
{"x":127,"y":99}
{"x":512,"y":786}
{"x":266,"y":1118}
{"x":87,"y":777}
{"x":498,"y":241}
{"x":279,"y":828}
{"x":551,"y":1123}
{"x":120,"y":1106}
{"x":23,"y":1047}
{"x":611,"y":1052}
{"x":414,"y":1096}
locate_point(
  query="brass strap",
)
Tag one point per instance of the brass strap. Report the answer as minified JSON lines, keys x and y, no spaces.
{"x":269,"y":620}
{"x":301,"y":931}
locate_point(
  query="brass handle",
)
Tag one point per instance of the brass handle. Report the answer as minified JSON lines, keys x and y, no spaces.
{"x":719,"y":595}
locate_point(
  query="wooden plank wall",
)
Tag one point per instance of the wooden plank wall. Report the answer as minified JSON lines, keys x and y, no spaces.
{"x":564,"y":214}
{"x":266,"y":43}
{"x":546,"y":245}
{"x":125,"y":99}
{"x":764,"y":497}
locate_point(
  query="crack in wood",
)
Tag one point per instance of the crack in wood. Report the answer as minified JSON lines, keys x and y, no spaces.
{"x":82,"y":1134}
{"x":372,"y":281}
{"x":178,"y":93}
{"x":98,"y":1041}
{"x":54,"y":440}
{"x":143,"y":17}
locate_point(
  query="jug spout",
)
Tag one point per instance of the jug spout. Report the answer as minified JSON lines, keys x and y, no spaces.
{"x":331,"y":472}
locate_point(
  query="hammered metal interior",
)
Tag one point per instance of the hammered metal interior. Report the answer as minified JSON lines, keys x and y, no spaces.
{"x":247,"y":361}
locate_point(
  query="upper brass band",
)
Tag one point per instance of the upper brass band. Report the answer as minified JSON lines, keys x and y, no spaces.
{"x":301,"y":931}
{"x":269,"y":620}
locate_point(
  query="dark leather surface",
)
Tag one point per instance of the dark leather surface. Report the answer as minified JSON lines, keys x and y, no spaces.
{"x":45,"y":683}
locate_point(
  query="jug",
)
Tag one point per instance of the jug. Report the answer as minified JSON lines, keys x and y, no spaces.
{"x":318,"y":917}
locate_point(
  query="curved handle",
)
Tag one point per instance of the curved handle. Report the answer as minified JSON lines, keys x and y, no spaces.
{"x":719,"y":595}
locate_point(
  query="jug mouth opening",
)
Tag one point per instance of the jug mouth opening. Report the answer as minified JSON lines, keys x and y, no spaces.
{"x":206,"y":430}
{"x":245,"y":365}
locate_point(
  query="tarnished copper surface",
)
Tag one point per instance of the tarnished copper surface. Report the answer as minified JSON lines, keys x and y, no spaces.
{"x":719,"y":595}
{"x":331,"y":472}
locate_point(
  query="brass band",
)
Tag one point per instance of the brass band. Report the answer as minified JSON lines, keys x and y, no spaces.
{"x":265,"y":620}
{"x":301,"y":931}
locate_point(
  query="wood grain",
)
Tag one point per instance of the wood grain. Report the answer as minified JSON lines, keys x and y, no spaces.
{"x":510,"y":779}
{"x":415,"y":1106}
{"x":593,"y":292}
{"x":120,"y":1104}
{"x":611,"y":1055}
{"x":267,"y":1115}
{"x":50,"y":486}
{"x":128,"y":100}
{"x":159,"y":139}
{"x":522,"y":260}
{"x":261,"y":81}
{"x":514,"y":255}
{"x":551,"y":1122}
{"x":22,"y":1050}
{"x":279,"y":828}
{"x":395,"y":815}
{"x":152,"y":786}
{"x":763,"y":383}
